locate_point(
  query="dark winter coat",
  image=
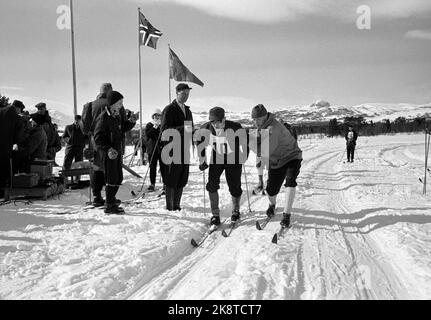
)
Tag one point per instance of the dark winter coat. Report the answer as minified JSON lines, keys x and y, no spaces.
{"x":73,"y":136}
{"x":11,"y":132}
{"x":152,"y":135}
{"x":173,"y":118}
{"x":351,"y":142}
{"x":218,"y":155}
{"x":54,"y":141}
{"x":108,"y":133}
{"x":37,"y":144}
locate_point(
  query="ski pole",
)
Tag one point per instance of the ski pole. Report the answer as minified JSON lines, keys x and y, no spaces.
{"x":342,"y":156}
{"x":246,"y":186}
{"x":205,"y":205}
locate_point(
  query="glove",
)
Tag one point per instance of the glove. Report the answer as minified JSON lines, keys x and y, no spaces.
{"x":258,"y":164}
{"x":203,"y":166}
{"x":112,"y":154}
{"x":15,"y":147}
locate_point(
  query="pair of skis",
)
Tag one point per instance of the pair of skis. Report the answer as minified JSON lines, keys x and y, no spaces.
{"x":259,"y":226}
{"x":279,"y":234}
{"x":212,"y":229}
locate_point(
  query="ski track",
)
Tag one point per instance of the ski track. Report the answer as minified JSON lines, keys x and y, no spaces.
{"x":352,"y":237}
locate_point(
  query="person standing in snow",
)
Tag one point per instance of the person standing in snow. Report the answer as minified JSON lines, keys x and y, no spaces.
{"x":177,"y":116}
{"x":75,"y":142}
{"x":153,"y":147}
{"x":351,"y":137}
{"x":222,"y":146}
{"x":284,"y":161}
{"x":108,"y":137}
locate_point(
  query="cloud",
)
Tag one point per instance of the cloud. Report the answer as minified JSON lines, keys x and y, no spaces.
{"x":273,"y":11}
{"x":419,"y":34}
{"x":9,"y":88}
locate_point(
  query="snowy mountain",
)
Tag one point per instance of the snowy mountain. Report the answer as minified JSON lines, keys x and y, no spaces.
{"x":323,"y":111}
{"x":60,"y":118}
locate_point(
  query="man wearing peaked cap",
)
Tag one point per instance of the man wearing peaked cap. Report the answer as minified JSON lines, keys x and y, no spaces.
{"x":153,"y":146}
{"x":224,"y":147}
{"x":177,"y":116}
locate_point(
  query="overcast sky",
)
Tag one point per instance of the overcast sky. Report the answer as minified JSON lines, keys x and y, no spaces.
{"x":276,"y":52}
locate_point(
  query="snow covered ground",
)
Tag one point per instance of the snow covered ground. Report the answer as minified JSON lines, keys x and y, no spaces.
{"x":360,"y":231}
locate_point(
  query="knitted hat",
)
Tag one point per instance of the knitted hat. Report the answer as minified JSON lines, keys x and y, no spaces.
{"x":216,"y":114}
{"x":113,"y":97}
{"x":258,"y":111}
{"x":156,"y":111}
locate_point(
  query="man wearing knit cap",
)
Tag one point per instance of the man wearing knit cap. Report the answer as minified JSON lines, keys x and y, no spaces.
{"x":284,"y":161}
{"x":108,"y":137}
{"x":19,"y":106}
{"x":223,"y":144}
{"x":176,"y":175}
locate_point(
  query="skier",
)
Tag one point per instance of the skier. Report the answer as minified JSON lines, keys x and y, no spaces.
{"x":222,"y":146}
{"x":351,"y":137}
{"x":284,"y":161}
{"x":108,"y":137}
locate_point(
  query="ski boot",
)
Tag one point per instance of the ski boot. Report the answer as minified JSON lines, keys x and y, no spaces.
{"x":270,"y":212}
{"x":258,"y":189}
{"x":98,"y":201}
{"x":151,"y":188}
{"x":285,"y":222}
{"x":215,"y":221}
{"x":235,"y":216}
{"x":114,"y":209}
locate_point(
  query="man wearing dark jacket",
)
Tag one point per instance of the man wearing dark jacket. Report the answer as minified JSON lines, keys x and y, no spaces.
{"x":108,"y":137}
{"x":75,"y":142}
{"x":90,"y":114}
{"x":351,"y":137}
{"x":43,"y":118}
{"x":153,"y":148}
{"x":224,"y":144}
{"x":11,"y":132}
{"x":175,"y":175}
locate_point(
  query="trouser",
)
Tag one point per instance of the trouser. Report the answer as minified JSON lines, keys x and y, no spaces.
{"x":173,"y":198}
{"x":97,"y":182}
{"x":153,"y":167}
{"x":233,"y":178}
{"x":72,"y":152}
{"x":289,"y":171}
{"x":350,"y":152}
{"x":111,"y":191}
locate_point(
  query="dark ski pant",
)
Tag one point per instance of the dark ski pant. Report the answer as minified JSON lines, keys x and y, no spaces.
{"x":350,"y":152}
{"x":97,"y":182}
{"x":153,"y":167}
{"x":233,"y":178}
{"x":289,"y":171}
{"x":71,"y":153}
{"x":175,"y":177}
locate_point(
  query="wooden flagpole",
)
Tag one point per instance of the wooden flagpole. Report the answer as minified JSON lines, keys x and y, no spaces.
{"x":140,"y":87}
{"x":169,"y":70}
{"x":72,"y":36}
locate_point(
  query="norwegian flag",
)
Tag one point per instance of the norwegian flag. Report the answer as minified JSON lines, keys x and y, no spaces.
{"x":148,"y":35}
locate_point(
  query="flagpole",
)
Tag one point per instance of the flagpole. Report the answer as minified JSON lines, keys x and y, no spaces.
{"x":169,"y":69}
{"x":72,"y":36}
{"x":140,"y":86}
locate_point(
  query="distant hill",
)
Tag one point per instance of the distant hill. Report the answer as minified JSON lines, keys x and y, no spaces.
{"x":323,"y":111}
